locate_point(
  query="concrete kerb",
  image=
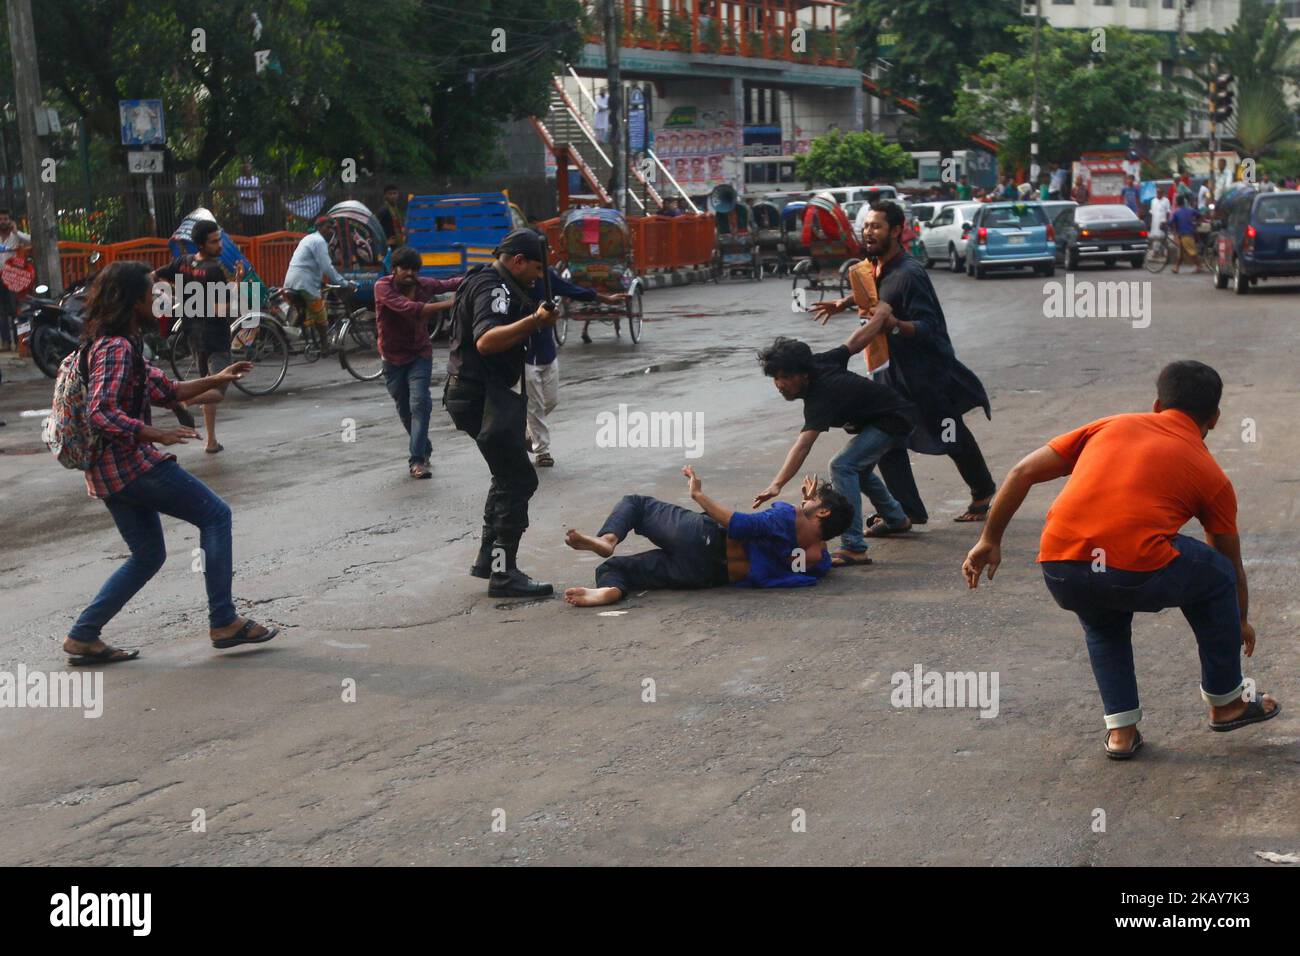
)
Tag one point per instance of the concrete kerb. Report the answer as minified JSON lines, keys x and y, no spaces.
{"x":660,"y":280}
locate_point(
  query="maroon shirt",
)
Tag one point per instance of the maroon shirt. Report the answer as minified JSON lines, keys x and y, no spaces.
{"x":403,"y":332}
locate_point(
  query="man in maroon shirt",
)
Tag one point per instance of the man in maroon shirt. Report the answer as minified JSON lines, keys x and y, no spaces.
{"x":402,"y":313}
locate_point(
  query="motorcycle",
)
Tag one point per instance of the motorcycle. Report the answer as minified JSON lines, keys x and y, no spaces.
{"x":51,"y":330}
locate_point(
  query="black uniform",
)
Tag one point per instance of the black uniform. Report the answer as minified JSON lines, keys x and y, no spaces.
{"x":486,"y":399}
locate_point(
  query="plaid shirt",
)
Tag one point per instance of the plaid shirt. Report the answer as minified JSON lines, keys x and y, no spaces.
{"x":115,"y":388}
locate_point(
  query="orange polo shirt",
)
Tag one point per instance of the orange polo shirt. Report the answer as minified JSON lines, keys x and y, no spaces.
{"x":1135,"y":481}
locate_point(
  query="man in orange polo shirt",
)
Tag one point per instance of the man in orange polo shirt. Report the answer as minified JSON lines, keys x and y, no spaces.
{"x":1111,"y":547}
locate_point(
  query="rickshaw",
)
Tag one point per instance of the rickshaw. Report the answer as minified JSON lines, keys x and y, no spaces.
{"x":832,"y":249}
{"x":737,"y":248}
{"x":255,"y":335}
{"x":792,"y":230}
{"x":770,"y":236}
{"x":595,"y":251}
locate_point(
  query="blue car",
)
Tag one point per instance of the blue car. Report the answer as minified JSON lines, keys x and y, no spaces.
{"x":1258,"y":238}
{"x":1010,"y":235}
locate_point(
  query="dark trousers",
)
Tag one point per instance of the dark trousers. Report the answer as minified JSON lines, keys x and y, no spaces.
{"x":690,"y":548}
{"x":496,"y":418}
{"x":1200,"y":582}
{"x":8,"y":312}
{"x":169,"y":489}
{"x":896,"y":469}
{"x":409,"y":387}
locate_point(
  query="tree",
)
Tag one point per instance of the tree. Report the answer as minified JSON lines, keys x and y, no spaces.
{"x":1089,"y":91}
{"x":926,"y":44}
{"x":846,"y":159}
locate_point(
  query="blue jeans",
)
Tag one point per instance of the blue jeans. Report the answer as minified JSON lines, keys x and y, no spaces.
{"x":168,"y":489}
{"x":690,"y":548}
{"x":409,"y":386}
{"x":853,"y":475}
{"x":1200,"y":582}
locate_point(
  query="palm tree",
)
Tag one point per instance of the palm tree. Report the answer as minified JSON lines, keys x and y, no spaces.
{"x":1264,"y":122}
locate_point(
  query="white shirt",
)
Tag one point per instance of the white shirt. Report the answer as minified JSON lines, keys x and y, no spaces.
{"x":1203,"y":196}
{"x":11,"y":242}
{"x":311,"y":263}
{"x":1159,"y":215}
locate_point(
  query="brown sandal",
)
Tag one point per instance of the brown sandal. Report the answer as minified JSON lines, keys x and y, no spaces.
{"x":420,"y":470}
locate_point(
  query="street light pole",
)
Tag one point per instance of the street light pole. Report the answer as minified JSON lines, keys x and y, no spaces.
{"x":27,"y":92}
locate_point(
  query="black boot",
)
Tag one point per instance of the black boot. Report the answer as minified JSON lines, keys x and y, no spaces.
{"x":512,"y":582}
{"x":482,"y":567}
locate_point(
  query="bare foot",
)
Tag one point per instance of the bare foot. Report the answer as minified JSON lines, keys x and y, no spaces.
{"x":1221,"y":715}
{"x":603,"y":546}
{"x":592,"y":597}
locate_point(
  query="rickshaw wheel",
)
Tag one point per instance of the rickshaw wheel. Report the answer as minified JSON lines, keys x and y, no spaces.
{"x":562,"y":323}
{"x":635,"y":311}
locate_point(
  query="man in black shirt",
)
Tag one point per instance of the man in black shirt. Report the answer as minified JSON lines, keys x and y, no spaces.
{"x":491,"y":322}
{"x":923,"y":367}
{"x":878,"y":418}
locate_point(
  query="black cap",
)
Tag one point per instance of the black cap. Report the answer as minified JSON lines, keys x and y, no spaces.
{"x":525,"y":242}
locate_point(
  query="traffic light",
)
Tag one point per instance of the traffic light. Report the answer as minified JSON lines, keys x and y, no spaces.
{"x":1222,"y":97}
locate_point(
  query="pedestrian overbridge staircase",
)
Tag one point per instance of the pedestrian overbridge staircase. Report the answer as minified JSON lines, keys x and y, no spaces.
{"x":565,"y":132}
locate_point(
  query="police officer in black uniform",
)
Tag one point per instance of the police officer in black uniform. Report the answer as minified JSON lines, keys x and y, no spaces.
{"x":491,"y":322}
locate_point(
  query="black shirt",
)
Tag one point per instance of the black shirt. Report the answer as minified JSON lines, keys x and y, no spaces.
{"x":209,"y":333}
{"x":838,"y":398}
{"x":485,"y":300}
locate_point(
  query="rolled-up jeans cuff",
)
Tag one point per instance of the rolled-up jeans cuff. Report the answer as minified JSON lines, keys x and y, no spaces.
{"x":1125,"y":719}
{"x":1218,"y":700}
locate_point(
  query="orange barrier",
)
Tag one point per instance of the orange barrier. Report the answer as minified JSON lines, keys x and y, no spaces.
{"x":659,"y":242}
{"x":270,"y":255}
{"x":74,"y":259}
{"x":152,"y":252}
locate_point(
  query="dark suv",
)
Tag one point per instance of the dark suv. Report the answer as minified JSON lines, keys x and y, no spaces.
{"x":1258,"y":238}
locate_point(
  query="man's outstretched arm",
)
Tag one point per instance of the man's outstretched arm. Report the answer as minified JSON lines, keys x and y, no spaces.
{"x":1035,"y":468}
{"x":719,"y":513}
{"x":794,"y":460}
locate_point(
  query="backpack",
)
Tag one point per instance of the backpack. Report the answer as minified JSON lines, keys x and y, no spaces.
{"x":67,"y":432}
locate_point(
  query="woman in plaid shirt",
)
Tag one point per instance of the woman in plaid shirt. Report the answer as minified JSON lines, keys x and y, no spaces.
{"x":136,"y":481}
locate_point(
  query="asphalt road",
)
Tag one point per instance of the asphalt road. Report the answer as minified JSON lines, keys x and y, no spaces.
{"x":470,"y":710}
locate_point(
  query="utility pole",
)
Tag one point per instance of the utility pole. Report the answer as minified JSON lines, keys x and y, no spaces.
{"x":614,"y":82}
{"x":27,"y":92}
{"x":1033,"y":115}
{"x":1214,"y":129}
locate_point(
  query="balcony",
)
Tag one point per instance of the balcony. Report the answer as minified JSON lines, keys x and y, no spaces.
{"x":752,"y":28}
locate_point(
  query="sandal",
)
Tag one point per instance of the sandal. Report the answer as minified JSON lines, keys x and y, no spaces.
{"x":1253,"y":714}
{"x":109,"y":655}
{"x":975,"y":512}
{"x":842,"y":559}
{"x":242,"y":636}
{"x":212,"y":451}
{"x":1123,"y":754}
{"x":420,"y":470}
{"x":544,"y":460}
{"x":878,"y":527}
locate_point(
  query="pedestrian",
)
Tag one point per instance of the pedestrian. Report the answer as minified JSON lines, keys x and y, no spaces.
{"x":1266,"y":185}
{"x":876,"y":418}
{"x":542,"y":363}
{"x":1159,"y":215}
{"x":1224,"y":179}
{"x":251,"y":207}
{"x":484,"y":394}
{"x":138,"y":483}
{"x":308,"y":268}
{"x":11,"y":240}
{"x":602,"y":115}
{"x":1044,"y":188}
{"x":782,"y":547}
{"x":912,"y":354}
{"x":403,"y":307}
{"x":390,"y":218}
{"x":1204,"y":198}
{"x":963,"y":188}
{"x":1111,"y":546}
{"x":1082,"y":193}
{"x":208,"y":331}
{"x":1129,"y":194}
{"x":1057,"y":188}
{"x":1184,"y":227}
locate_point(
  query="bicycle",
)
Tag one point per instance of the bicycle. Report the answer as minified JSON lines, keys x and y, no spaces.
{"x":254,"y":337}
{"x":351,"y":332}
{"x":1161,"y":249}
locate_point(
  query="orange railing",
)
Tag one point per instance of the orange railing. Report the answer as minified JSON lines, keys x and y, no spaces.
{"x":754,"y":28}
{"x":659,"y":242}
{"x":269,"y":254}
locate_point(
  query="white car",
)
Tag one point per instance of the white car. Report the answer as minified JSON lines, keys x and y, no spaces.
{"x":944,"y":236}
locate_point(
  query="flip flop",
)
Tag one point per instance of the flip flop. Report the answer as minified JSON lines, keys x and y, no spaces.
{"x":109,"y":655}
{"x":878,"y":527}
{"x":213,"y":451}
{"x":545,"y":461}
{"x":1253,"y":714}
{"x":974,"y":512}
{"x":1123,"y":754}
{"x":848,"y":561}
{"x":420,"y":470}
{"x":241,"y":636}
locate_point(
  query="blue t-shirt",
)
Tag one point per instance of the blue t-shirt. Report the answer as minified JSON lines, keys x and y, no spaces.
{"x":1184,"y":221}
{"x":541,"y":348}
{"x":770,"y":543}
{"x":1130,"y":196}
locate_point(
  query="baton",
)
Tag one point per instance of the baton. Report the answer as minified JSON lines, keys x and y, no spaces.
{"x":549,"y":300}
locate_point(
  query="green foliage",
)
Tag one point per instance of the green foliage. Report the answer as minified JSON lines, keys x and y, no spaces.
{"x":845,"y":159}
{"x":383,"y":82}
{"x":931,"y":41}
{"x":1085,"y":95}
{"x":1264,"y":122}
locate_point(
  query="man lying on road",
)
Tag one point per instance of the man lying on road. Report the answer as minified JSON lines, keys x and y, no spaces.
{"x":783,"y":546}
{"x":1111,"y":545}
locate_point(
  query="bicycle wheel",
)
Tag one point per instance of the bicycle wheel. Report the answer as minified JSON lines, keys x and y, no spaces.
{"x":1157,"y":255}
{"x":634,"y":314}
{"x":1209,"y":255}
{"x":359,"y":346}
{"x":259,"y":339}
{"x":181,"y":357}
